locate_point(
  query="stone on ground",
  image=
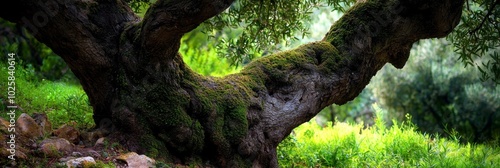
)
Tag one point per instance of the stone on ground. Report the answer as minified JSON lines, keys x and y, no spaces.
{"x":132,"y":159}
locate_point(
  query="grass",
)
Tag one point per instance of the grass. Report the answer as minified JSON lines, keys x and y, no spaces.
{"x":349,"y":145}
{"x":61,"y":101}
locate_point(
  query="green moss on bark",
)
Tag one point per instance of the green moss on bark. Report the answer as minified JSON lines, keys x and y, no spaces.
{"x":154,"y":147}
{"x":369,"y":19}
{"x":193,"y":114}
{"x":275,"y":69}
{"x":226,"y":108}
{"x":206,"y":114}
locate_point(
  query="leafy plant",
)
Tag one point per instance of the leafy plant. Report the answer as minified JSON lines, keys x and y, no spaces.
{"x":201,"y":55}
{"x":476,"y":38}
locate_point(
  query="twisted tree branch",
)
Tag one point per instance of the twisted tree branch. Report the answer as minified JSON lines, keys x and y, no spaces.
{"x":84,"y":33}
{"x":167,"y":20}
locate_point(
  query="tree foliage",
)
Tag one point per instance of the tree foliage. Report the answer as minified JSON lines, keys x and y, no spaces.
{"x":250,"y":29}
{"x":259,"y":27}
{"x":476,"y":39}
{"x":441,"y":95}
{"x":264,"y":25}
{"x":269,"y":24}
{"x":201,"y":56}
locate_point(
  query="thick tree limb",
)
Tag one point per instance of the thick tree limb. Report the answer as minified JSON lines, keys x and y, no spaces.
{"x":301,"y":82}
{"x":84,"y":33}
{"x":131,"y":72}
{"x":86,"y":28}
{"x":283,"y":90}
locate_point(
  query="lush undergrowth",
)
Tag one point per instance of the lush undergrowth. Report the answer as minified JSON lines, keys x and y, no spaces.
{"x":62,"y":101}
{"x":348,"y":145}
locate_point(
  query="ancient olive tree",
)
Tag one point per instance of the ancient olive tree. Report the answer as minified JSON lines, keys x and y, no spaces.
{"x":132,"y":73}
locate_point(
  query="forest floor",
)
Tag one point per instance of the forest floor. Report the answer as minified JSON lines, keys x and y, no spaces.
{"x":35,"y":144}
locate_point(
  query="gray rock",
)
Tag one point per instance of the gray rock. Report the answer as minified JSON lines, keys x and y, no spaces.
{"x":76,"y":154}
{"x":66,"y":159}
{"x":69,"y":133}
{"x":100,"y":141}
{"x":94,"y":153}
{"x":80,"y":162}
{"x":28,"y":127}
{"x":55,"y":146}
{"x":4,"y":126}
{"x":87,"y":152}
{"x":89,"y":138}
{"x":42,"y":120}
{"x":133,"y":160}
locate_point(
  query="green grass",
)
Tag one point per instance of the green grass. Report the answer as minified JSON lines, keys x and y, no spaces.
{"x":349,"y":145}
{"x":61,"y":101}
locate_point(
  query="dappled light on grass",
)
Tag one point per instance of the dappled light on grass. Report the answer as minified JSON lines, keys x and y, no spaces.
{"x":348,"y":145}
{"x":63,"y":103}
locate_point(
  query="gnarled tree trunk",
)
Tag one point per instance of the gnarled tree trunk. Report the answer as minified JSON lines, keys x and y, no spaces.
{"x":134,"y":76}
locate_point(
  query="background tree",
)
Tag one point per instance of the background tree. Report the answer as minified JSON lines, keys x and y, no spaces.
{"x":476,"y":39}
{"x":441,"y":96}
{"x":131,"y":70}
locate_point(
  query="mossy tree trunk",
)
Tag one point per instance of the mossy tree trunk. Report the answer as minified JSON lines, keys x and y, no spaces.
{"x":132,"y":72}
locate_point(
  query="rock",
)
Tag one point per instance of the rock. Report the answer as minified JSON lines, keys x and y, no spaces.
{"x":66,"y":159}
{"x":43,"y":122}
{"x":89,"y":138}
{"x":94,"y":153}
{"x":5,"y":138}
{"x":76,"y":154}
{"x":4,"y":135}
{"x":100,"y":142}
{"x":27,"y":127}
{"x":80,"y":162}
{"x":134,"y":160}
{"x":4,"y":153}
{"x":53,"y":147}
{"x":4,"y":126}
{"x":68,"y":132}
{"x":4,"y":130}
{"x":79,"y":152}
{"x":20,"y":155}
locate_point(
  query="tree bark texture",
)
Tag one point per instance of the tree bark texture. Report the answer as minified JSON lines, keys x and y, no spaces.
{"x":133,"y":75}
